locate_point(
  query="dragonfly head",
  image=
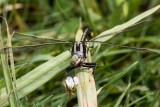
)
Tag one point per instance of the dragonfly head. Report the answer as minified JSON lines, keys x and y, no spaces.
{"x":79,"y":54}
{"x":88,"y":31}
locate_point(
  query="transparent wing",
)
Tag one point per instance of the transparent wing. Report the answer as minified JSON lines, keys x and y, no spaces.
{"x":129,"y":47}
{"x":29,"y":47}
{"x":31,"y":42}
{"x":135,"y":26}
{"x":35,"y":39}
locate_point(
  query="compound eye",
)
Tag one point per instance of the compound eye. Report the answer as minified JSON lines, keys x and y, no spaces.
{"x":80,"y":54}
{"x":91,"y":34}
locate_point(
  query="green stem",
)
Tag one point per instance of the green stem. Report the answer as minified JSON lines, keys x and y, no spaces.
{"x":7,"y":75}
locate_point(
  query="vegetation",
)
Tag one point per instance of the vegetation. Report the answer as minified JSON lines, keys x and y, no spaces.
{"x":123,"y":77}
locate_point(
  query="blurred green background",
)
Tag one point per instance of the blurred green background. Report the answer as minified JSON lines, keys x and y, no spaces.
{"x":60,"y":19}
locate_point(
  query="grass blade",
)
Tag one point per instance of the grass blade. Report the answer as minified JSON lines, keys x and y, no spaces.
{"x":39,"y":76}
{"x":9,"y":70}
{"x":122,"y":96}
{"x":139,"y":99}
{"x":118,"y":76}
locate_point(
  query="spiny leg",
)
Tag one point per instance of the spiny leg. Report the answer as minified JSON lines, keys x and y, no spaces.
{"x":71,"y":67}
{"x":90,"y":65}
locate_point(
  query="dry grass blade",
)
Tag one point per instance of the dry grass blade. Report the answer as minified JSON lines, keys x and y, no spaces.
{"x":86,"y":89}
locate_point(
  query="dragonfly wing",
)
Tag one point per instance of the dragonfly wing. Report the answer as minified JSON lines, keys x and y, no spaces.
{"x":128,"y":47}
{"x":31,"y":47}
{"x":33,"y":42}
{"x":133,"y":27}
{"x":35,"y":39}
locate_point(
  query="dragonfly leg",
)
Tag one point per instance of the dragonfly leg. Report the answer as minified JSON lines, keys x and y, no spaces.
{"x":71,"y":67}
{"x":90,"y":65}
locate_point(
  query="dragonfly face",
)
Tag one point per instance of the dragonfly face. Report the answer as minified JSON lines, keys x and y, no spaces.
{"x":79,"y":51}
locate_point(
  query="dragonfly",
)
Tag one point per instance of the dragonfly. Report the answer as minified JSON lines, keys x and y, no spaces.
{"x":78,"y":50}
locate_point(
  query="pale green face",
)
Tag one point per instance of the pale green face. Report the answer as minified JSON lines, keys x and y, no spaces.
{"x":80,"y":54}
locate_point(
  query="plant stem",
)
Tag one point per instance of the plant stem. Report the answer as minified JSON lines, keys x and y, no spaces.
{"x":7,"y":75}
{"x":86,"y":89}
